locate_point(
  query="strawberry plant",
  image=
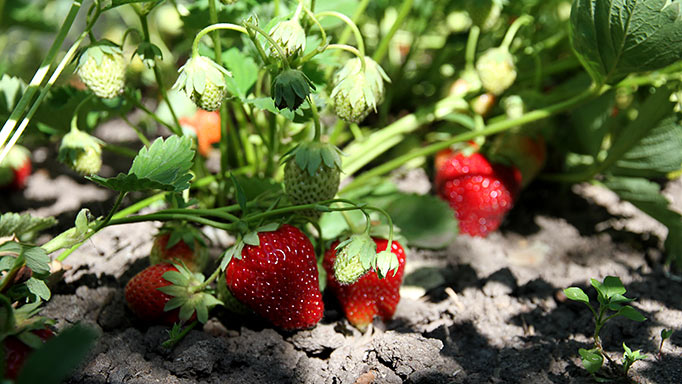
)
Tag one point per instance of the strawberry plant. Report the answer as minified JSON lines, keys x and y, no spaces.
{"x":284,"y":123}
{"x":612,"y":304}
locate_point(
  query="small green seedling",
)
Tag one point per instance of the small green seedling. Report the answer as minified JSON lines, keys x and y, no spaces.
{"x":612,"y":303}
{"x":665,"y":335}
{"x":629,"y":358}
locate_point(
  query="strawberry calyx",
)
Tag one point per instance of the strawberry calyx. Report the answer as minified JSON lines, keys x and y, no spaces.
{"x":311,"y":156}
{"x":189,"y":294}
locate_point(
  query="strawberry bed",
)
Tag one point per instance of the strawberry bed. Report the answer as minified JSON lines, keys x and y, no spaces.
{"x":352,"y":191}
{"x":482,"y":310}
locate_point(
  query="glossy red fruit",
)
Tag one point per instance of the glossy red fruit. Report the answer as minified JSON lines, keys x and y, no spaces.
{"x":16,"y":352}
{"x":278,"y":279}
{"x":479,"y":192}
{"x":369,"y":296}
{"x":194,"y":257}
{"x":145,"y":300}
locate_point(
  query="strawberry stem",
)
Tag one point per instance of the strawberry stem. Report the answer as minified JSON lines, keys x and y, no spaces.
{"x":511,"y":32}
{"x":272,"y":42}
{"x":358,"y":35}
{"x":382,"y":49}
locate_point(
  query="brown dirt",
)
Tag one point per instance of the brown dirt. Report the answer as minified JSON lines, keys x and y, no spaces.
{"x":481,"y":311}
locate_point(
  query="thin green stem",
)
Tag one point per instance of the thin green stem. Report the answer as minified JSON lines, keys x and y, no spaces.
{"x":146,"y":110}
{"x":356,"y":31}
{"x":316,"y":119}
{"x":346,"y":48}
{"x":208,"y":281}
{"x":316,"y":22}
{"x":491,"y":129}
{"x":382,"y":49}
{"x":511,"y":32}
{"x":119,"y":150}
{"x":211,"y":28}
{"x":272,"y":42}
{"x":138,"y":131}
{"x":176,"y":129}
{"x":472,"y":42}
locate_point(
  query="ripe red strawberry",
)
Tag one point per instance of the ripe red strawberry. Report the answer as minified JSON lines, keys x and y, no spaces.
{"x":480,"y":193}
{"x":15,"y":168}
{"x":194,"y":256}
{"x":16,"y":352}
{"x":278,"y":279}
{"x":369,"y":296}
{"x":144,"y":298}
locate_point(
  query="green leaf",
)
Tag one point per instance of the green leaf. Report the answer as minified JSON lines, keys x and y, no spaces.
{"x":37,"y":259}
{"x":38,"y":288}
{"x":666,"y":333}
{"x":244,"y":72}
{"x":631,"y":313}
{"x":16,"y":224}
{"x":592,"y":360}
{"x":614,"y":38}
{"x":612,"y":286}
{"x":576,"y":294}
{"x":251,"y":238}
{"x":164,"y":165}
{"x":656,"y":154}
{"x":424,"y":220}
{"x":60,"y":355}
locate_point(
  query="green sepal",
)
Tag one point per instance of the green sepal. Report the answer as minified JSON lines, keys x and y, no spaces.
{"x":309,"y":156}
{"x":290,"y":88}
{"x":97,"y":50}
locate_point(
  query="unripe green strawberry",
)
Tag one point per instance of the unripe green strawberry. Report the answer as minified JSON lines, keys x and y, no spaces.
{"x":102,"y":68}
{"x":354,"y":258}
{"x":290,"y":36}
{"x":356,"y":92}
{"x":81,"y":152}
{"x":312,"y":173}
{"x":496,"y":70}
{"x":203,"y":81}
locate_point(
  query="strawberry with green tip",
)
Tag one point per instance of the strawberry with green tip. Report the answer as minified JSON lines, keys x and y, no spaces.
{"x":369,"y":296}
{"x":278,"y":278}
{"x":312,"y":173}
{"x":15,"y":168}
{"x":167,"y":294}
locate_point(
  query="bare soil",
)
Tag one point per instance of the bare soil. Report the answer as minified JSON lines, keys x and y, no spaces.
{"x":481,"y":311}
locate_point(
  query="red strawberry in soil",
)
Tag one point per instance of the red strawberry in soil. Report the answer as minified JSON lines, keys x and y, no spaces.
{"x":145,"y":300}
{"x":369,"y":296}
{"x":16,"y":352}
{"x":480,"y":193}
{"x":279,"y":279}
